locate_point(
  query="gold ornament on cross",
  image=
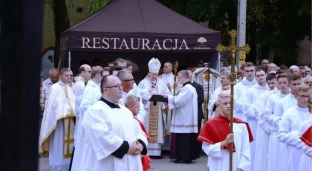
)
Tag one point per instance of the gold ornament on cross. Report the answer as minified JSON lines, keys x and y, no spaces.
{"x":233,"y":48}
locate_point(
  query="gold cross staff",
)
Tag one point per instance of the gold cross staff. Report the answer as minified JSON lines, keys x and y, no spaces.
{"x":233,"y":48}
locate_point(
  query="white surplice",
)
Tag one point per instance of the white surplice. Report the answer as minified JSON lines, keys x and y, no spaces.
{"x":240,"y":100}
{"x":185,"y":110}
{"x":218,"y":159}
{"x":271,"y":117}
{"x":154,"y":149}
{"x":252,"y":94}
{"x":305,"y":163}
{"x":103,"y":131}
{"x":288,"y":134}
{"x":58,"y":127}
{"x":263,"y":131}
{"x":142,"y":113}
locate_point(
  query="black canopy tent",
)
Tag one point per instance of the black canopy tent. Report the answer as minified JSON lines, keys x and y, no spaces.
{"x":139,"y":30}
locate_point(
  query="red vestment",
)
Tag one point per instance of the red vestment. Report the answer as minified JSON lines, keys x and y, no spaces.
{"x":216,"y":130}
{"x":146,"y":160}
{"x":307,"y":137}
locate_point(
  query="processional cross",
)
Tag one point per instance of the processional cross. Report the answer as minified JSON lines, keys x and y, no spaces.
{"x":233,"y":48}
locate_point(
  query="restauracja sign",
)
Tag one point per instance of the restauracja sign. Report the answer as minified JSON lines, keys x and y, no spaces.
{"x":133,"y":43}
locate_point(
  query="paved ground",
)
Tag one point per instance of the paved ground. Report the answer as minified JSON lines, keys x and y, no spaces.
{"x":157,"y":165}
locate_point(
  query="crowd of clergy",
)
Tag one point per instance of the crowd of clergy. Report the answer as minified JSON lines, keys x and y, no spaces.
{"x":101,"y":119}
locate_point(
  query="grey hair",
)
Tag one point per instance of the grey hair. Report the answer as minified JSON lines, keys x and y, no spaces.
{"x":307,"y":77}
{"x":122,"y":74}
{"x":226,"y":73}
{"x":53,"y":70}
{"x":294,"y":67}
{"x":229,"y":68}
{"x":184,"y":73}
{"x":224,"y":94}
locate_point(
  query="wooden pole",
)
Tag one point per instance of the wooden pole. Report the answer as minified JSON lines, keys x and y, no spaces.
{"x":233,"y":48}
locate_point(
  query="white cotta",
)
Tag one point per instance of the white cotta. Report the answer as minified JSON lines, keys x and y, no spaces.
{"x":305,"y":163}
{"x":185,"y":110}
{"x":218,"y":159}
{"x":240,"y":100}
{"x":288,"y":134}
{"x":79,"y":86}
{"x":154,"y":149}
{"x":103,"y":131}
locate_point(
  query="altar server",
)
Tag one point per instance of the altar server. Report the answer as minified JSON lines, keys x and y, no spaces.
{"x":110,"y":138}
{"x":56,"y":137}
{"x":305,"y":133}
{"x":271,"y":117}
{"x":216,"y":138}
{"x":289,"y":127}
{"x":82,"y":80}
{"x":240,"y":90}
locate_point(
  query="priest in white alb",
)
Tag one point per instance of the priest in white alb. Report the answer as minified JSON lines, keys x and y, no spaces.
{"x":56,"y":137}
{"x":184,"y":123}
{"x":252,"y":94}
{"x":289,"y":126}
{"x":110,"y":138}
{"x":155,"y":119}
{"x":263,"y":129}
{"x":305,"y":133}
{"x":240,"y":89}
{"x":270,"y":116}
{"x":82,"y":80}
{"x":216,"y":138}
{"x":225,"y":86}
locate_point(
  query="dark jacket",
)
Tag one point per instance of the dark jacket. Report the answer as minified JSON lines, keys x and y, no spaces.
{"x":200,"y":99}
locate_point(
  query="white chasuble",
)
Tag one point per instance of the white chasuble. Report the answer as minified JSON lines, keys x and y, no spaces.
{"x":103,"y":131}
{"x":240,"y":101}
{"x":289,"y":134}
{"x":57,"y":129}
{"x":185,"y":110}
{"x":218,"y":158}
{"x":156,"y":117}
{"x":305,"y":163}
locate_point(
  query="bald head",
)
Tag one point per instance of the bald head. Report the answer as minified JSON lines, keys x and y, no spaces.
{"x":54,"y":75}
{"x":53,"y":71}
{"x":85,"y":71}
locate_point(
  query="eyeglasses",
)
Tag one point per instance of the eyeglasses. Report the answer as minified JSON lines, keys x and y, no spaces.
{"x":302,"y":96}
{"x":180,"y":77}
{"x":116,"y":86}
{"x":308,"y":82}
{"x":249,"y":71}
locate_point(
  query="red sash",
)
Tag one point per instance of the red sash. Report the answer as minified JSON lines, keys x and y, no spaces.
{"x":146,"y":160}
{"x":216,"y":130}
{"x":307,"y":137}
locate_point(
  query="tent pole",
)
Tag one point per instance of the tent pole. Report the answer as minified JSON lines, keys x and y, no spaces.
{"x":69,"y":59}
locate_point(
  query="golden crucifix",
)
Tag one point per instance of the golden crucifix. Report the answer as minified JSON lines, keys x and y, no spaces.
{"x":233,"y":48}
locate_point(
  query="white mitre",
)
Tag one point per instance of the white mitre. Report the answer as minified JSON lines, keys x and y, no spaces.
{"x":154,"y":65}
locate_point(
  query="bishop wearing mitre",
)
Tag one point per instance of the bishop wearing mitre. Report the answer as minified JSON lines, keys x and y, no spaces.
{"x":56,"y":137}
{"x":155,"y":124}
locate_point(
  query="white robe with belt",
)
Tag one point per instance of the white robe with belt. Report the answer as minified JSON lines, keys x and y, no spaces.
{"x":288,"y":134}
{"x":218,"y":159}
{"x":103,"y":131}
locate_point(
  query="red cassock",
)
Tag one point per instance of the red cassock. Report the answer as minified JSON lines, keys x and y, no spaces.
{"x":146,"y":160}
{"x":307,"y":137}
{"x":216,"y":130}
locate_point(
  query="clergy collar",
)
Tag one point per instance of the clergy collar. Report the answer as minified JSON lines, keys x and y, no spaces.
{"x":188,"y":82}
{"x":109,"y":103}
